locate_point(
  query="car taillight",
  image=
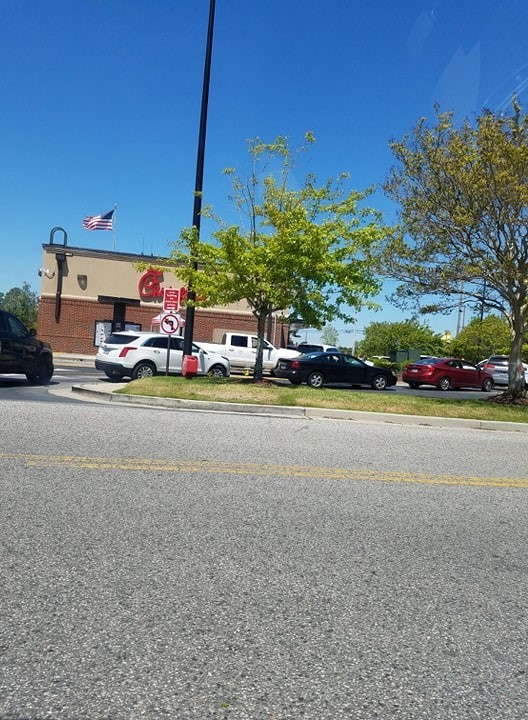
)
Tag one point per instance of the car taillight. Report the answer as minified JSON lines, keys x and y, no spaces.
{"x":295,"y":364}
{"x":488,"y":366}
{"x":124,"y":351}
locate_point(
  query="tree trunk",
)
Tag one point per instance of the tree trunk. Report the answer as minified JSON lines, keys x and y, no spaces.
{"x":261,"y":328}
{"x":516,"y":384}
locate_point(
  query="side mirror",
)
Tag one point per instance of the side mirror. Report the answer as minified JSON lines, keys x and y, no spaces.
{"x":32,"y":332}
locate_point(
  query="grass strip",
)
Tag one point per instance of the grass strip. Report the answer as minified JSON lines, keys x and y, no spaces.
{"x":273,"y":392}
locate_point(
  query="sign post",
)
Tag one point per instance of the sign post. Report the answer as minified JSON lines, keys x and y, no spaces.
{"x":169,"y":324}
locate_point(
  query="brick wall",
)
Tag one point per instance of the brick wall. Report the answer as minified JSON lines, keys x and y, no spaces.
{"x":74,"y":333}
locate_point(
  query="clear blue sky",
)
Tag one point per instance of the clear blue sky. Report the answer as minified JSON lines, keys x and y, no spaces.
{"x":100,"y":103}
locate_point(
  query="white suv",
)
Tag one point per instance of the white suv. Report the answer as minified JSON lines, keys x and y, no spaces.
{"x":497,"y":365}
{"x":144,"y":354}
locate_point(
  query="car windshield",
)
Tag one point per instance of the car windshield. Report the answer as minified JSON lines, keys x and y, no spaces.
{"x":428,"y":361}
{"x":313,"y":355}
{"x":15,"y":326}
{"x":351,"y":360}
{"x":120,"y":339}
{"x":306,"y":349}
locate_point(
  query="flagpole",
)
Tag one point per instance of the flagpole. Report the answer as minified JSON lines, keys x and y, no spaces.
{"x":114,"y":223}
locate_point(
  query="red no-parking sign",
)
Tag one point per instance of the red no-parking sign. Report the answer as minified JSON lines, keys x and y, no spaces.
{"x":171,"y":299}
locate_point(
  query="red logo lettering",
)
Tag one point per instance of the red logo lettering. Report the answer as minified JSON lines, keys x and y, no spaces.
{"x":149,"y":285}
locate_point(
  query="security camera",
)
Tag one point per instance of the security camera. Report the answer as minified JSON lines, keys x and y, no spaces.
{"x":47,"y":273}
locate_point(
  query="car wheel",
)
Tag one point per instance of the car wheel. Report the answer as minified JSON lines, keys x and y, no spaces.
{"x":414,"y":386}
{"x":444,"y":383}
{"x":43,"y":372}
{"x":487,"y":385}
{"x":379,"y":382}
{"x":315,"y":379}
{"x":217,"y":371}
{"x":143,"y":370}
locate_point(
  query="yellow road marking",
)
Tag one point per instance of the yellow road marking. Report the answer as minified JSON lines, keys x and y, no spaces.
{"x":259,"y":469}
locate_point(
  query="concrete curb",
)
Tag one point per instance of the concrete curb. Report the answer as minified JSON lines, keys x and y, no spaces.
{"x":308,"y":413}
{"x":69,"y":358}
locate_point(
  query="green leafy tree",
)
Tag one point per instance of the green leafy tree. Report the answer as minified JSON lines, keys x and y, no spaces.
{"x":380,"y":338}
{"x":482,"y":338}
{"x":463,"y":194}
{"x":23,"y":303}
{"x":330,"y":336}
{"x":298,"y":251}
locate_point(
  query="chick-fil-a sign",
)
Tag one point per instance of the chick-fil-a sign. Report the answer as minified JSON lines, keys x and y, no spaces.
{"x":150,"y":287}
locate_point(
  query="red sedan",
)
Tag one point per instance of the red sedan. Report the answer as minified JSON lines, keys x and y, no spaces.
{"x":447,"y":373}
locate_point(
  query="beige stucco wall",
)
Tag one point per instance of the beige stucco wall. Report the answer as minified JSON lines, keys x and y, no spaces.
{"x":107,"y":274}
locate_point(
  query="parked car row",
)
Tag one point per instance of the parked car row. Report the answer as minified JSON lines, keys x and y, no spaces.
{"x":144,"y":354}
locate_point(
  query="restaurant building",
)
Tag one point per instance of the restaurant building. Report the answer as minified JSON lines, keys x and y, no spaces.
{"x":86,"y":294}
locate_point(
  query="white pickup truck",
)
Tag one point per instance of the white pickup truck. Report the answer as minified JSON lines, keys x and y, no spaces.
{"x":241,"y":350}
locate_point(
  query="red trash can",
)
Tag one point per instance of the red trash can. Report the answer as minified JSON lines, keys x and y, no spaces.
{"x":189,"y":366}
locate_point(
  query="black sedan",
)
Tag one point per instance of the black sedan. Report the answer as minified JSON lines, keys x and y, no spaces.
{"x":321,"y":368}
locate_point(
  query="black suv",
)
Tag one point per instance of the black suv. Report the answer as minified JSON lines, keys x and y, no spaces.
{"x":21,"y":352}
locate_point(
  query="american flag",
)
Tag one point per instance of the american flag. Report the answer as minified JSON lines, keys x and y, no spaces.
{"x":99,"y":222}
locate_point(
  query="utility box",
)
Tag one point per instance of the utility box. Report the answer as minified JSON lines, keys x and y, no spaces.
{"x":401,"y":356}
{"x":398,"y":356}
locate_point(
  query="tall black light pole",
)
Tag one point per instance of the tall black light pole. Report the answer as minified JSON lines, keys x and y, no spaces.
{"x":189,"y":315}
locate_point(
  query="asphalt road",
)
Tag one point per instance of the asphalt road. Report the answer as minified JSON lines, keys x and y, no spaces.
{"x":166,"y":564}
{"x":16,"y":387}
